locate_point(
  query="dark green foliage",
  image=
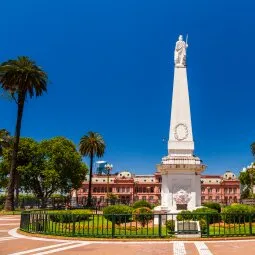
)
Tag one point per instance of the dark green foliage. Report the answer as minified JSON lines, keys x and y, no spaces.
{"x":69,"y":215}
{"x":201,"y":213}
{"x":238,"y":213}
{"x":142,"y":203}
{"x":203,"y":225}
{"x":184,"y":215}
{"x":213,"y":205}
{"x":118,"y":213}
{"x":208,"y":214}
{"x":170,"y":225}
{"x":143,"y":215}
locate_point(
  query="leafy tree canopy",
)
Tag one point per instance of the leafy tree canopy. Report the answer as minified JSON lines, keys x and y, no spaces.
{"x":48,"y":166}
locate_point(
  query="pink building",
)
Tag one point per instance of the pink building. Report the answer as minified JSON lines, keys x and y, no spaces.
{"x":224,"y":189}
{"x":129,"y":187}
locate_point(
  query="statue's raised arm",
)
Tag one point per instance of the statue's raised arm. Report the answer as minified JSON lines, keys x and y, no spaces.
{"x":180,"y":52}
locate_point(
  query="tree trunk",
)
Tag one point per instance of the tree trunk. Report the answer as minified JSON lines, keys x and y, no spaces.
{"x":9,"y":202}
{"x":89,"y":203}
{"x":17,"y":189}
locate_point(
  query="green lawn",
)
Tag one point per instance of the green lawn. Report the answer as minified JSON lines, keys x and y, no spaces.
{"x":97,"y":225}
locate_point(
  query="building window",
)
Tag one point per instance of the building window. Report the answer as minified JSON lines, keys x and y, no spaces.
{"x":210,"y":190}
{"x":127,"y":190}
{"x":230,"y":190}
{"x":103,"y":180}
{"x":151,"y":180}
{"x":202,"y":198}
{"x":118,"y":190}
{"x":210,"y":198}
{"x":217,"y":198}
{"x":234,"y":190}
{"x":143,"y":197}
{"x":151,"y":197}
{"x":152,"y":190}
{"x":217,"y":190}
{"x":225,"y":191}
{"x":203,"y":189}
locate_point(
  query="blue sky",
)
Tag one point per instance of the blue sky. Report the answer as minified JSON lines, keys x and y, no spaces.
{"x":110,"y":66}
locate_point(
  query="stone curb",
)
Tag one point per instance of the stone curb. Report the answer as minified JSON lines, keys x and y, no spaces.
{"x":135,"y":239}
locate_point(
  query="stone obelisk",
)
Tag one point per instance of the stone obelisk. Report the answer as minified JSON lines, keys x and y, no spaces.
{"x":180,"y":170}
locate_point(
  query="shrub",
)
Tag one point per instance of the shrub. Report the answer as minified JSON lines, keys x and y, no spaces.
{"x":143,"y":215}
{"x":142,"y":203}
{"x":203,"y":226}
{"x":69,"y":215}
{"x":184,"y":215}
{"x":170,"y":225}
{"x":121,"y":213}
{"x":213,"y":205}
{"x":238,"y":213}
{"x":205,"y":213}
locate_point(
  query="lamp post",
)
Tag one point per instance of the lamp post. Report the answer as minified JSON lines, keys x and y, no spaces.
{"x":134,"y":190}
{"x":108,"y":168}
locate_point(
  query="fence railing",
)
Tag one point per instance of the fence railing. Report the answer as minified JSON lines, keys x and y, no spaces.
{"x":138,"y":225}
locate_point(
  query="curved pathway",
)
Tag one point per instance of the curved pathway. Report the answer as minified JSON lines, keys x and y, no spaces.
{"x":13,"y":243}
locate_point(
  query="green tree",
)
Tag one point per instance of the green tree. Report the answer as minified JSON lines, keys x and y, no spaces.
{"x":56,"y":167}
{"x":247,"y":179}
{"x":5,"y":140}
{"x":91,"y":145}
{"x":21,"y":78}
{"x":47,"y":167}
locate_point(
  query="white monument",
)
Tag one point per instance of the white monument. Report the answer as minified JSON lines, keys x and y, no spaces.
{"x":181,"y":186}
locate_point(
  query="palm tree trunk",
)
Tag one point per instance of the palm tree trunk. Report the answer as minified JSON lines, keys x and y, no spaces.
{"x":9,"y":202}
{"x":17,"y":181}
{"x":89,"y":203}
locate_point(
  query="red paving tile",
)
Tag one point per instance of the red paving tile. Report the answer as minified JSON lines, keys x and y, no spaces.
{"x":18,"y":245}
{"x":123,"y":249}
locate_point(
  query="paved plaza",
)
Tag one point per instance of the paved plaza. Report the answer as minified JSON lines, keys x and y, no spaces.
{"x":13,"y":243}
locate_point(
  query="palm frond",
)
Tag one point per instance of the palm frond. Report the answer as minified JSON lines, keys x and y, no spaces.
{"x":92,"y":144}
{"x":23,"y":75}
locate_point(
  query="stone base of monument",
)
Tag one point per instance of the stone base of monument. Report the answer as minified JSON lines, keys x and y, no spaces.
{"x":187,"y":229}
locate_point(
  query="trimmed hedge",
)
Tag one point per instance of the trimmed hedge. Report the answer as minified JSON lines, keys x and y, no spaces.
{"x":213,"y":205}
{"x":184,"y":215}
{"x":69,"y":215}
{"x":124,"y":213}
{"x":238,"y":213}
{"x":142,"y":203}
{"x":211,"y":215}
{"x":143,"y":215}
{"x":170,"y":226}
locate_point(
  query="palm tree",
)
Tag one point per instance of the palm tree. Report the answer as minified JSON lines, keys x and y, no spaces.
{"x":253,"y":149}
{"x":5,"y":140}
{"x":21,"y":78}
{"x":91,"y":145}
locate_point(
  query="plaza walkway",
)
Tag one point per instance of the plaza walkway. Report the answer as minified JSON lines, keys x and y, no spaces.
{"x":13,"y":243}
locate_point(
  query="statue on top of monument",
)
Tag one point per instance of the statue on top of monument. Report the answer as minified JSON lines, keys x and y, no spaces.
{"x":180,"y":52}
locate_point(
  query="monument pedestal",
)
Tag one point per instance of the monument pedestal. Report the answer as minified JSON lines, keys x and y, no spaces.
{"x":181,"y":185}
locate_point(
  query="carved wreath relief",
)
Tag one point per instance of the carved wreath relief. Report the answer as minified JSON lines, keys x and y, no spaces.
{"x":182,"y":197}
{"x":181,"y":132}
